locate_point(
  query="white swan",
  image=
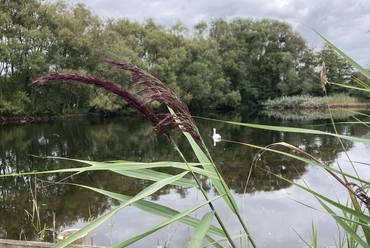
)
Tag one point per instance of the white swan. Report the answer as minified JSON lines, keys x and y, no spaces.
{"x":216,"y":136}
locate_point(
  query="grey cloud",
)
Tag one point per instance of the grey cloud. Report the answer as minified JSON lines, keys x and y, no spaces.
{"x":345,"y":23}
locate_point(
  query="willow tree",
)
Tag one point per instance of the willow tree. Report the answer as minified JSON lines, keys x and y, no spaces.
{"x":25,"y":42}
{"x":262,"y":58}
{"x":202,"y":80}
{"x":276,"y":64}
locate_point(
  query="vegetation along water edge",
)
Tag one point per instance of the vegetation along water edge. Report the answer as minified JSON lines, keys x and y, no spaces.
{"x":223,"y":64}
{"x":152,"y":67}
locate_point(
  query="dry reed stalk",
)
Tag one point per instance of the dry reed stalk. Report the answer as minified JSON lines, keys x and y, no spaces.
{"x":323,"y":79}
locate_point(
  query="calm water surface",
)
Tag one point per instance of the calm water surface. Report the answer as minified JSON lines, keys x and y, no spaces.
{"x":268,"y":204}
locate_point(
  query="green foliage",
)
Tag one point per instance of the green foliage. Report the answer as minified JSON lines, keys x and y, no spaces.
{"x":358,"y":80}
{"x":18,"y":107}
{"x":104,"y":102}
{"x":354,"y":220}
{"x":296,"y":102}
{"x":221,"y":64}
{"x":342,"y":99}
{"x":339,"y":71}
{"x":309,"y":102}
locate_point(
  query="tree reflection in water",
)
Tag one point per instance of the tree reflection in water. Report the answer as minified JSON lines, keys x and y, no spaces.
{"x":132,"y":138}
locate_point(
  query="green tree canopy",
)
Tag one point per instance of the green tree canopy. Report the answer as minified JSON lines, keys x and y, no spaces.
{"x":220,"y":64}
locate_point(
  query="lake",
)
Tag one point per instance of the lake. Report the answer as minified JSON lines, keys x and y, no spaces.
{"x":270,"y":205}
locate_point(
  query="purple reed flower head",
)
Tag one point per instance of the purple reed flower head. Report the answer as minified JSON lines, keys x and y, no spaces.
{"x":139,"y":105}
{"x":152,"y":90}
{"x":155,"y":90}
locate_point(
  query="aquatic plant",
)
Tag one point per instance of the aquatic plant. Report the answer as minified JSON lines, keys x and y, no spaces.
{"x":310,"y":102}
{"x":177,"y":119}
{"x":354,"y":220}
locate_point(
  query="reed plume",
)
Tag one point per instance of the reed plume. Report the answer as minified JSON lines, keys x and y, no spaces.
{"x":150,"y":87}
{"x":323,"y":79}
{"x":155,"y":90}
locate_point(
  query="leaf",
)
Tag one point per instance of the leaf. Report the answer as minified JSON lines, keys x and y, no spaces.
{"x":154,"y":208}
{"x":344,"y":225}
{"x":345,"y":56}
{"x":152,"y":175}
{"x":217,"y":181}
{"x":219,"y":185}
{"x":119,"y":167}
{"x":144,"y":193}
{"x":364,"y":220}
{"x":201,"y":230}
{"x":292,"y":130}
{"x":163,"y":224}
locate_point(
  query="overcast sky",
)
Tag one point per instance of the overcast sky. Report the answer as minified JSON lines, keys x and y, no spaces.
{"x":345,"y":22}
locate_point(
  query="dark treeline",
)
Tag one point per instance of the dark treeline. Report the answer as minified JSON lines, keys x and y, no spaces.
{"x":221,"y":64}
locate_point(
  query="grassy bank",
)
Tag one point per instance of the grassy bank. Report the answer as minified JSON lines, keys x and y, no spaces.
{"x":306,"y":102}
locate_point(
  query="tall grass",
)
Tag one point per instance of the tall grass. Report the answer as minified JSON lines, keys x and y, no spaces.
{"x":177,"y":119}
{"x":308,"y":114}
{"x":344,"y":100}
{"x":296,"y":102}
{"x":354,"y":219}
{"x":309,"y":102}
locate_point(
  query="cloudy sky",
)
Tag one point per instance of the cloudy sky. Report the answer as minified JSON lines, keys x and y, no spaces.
{"x":345,"y":22}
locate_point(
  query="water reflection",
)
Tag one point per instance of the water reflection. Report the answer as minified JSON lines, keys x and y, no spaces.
{"x":132,"y":138}
{"x":216,"y":137}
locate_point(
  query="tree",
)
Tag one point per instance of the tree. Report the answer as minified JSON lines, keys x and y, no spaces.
{"x":25,"y":40}
{"x":308,"y":77}
{"x":75,"y":32}
{"x":275,"y":61}
{"x":220,"y":64}
{"x":358,"y":80}
{"x":262,"y":58}
{"x":201,"y":79}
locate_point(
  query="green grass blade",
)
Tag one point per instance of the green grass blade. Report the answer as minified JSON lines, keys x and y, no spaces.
{"x":213,"y":242}
{"x":345,"y":56}
{"x":121,"y":168}
{"x":156,"y":186}
{"x":201,"y":230}
{"x":313,"y":235}
{"x":345,"y":226}
{"x":144,"y":193}
{"x":216,"y":243}
{"x":218,"y":183}
{"x":163,"y":224}
{"x":90,"y":227}
{"x":303,"y":159}
{"x":351,"y":211}
{"x":182,"y":166}
{"x":367,"y":90}
{"x":304,"y":241}
{"x":364,"y":220}
{"x":293,"y":130}
{"x":152,"y":175}
{"x":154,"y":208}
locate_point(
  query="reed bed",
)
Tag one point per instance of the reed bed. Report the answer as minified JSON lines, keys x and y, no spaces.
{"x":310,"y":102}
{"x":308,"y":114}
